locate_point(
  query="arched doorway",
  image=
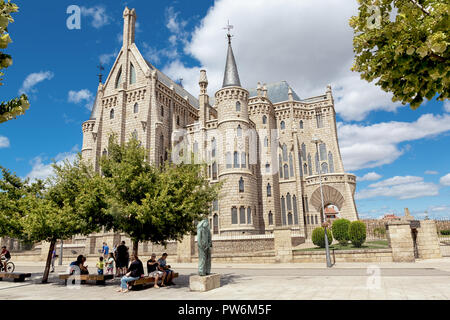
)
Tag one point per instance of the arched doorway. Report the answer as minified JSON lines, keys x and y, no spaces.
{"x":332,"y":199}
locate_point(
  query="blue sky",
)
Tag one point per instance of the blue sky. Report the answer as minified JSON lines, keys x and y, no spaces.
{"x":401,"y":156}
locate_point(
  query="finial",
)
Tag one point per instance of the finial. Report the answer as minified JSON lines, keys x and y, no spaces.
{"x":100,"y":75}
{"x":264,"y":90}
{"x":329,"y":88}
{"x":290,"y":95}
{"x":203,"y":78}
{"x":229,"y":27}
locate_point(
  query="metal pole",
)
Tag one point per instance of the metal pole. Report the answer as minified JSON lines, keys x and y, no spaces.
{"x":327,"y":248}
{"x":60,"y":254}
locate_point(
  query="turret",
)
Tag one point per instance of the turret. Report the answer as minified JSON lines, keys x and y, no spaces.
{"x":203,"y":98}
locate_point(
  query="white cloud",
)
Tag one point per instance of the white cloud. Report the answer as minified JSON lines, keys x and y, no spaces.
{"x":107,"y":57}
{"x":407,"y":187}
{"x":445,"y":180}
{"x":83,"y":95}
{"x":33,"y":79}
{"x":374,"y":145}
{"x":431,"y":172}
{"x":4,"y":142}
{"x":41,"y":170}
{"x":371,"y":176}
{"x":98,"y":14}
{"x":313,"y":53}
{"x":447,"y":105}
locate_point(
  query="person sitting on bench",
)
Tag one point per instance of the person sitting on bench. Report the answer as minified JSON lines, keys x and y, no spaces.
{"x":79,"y":263}
{"x":164,"y":267}
{"x":152,"y":271}
{"x":135,"y":271}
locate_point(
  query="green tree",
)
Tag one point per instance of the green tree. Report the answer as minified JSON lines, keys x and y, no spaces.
{"x":71,"y":202}
{"x":357,"y":233}
{"x":318,"y":237}
{"x":152,"y":203}
{"x":408,"y":56}
{"x":17,"y":106}
{"x":340,"y":230}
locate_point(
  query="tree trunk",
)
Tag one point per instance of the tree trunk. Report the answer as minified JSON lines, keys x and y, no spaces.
{"x":49,"y":261}
{"x":135,"y":247}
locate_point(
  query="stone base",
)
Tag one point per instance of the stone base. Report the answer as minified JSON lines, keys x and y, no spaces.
{"x":204,"y":283}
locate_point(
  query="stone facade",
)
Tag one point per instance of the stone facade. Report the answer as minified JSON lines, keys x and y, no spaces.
{"x":257,"y":142}
{"x":401,"y":241}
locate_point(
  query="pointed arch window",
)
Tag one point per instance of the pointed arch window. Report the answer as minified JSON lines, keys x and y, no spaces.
{"x":264,"y":119}
{"x":239,"y":131}
{"x":301,"y":124}
{"x":111,"y":114}
{"x":214,"y":171}
{"x":234,"y":218}
{"x":243,"y":160}
{"x":283,"y":211}
{"x":309,"y":165}
{"x":290,"y":218}
{"x":285,"y":157}
{"x":319,"y":120}
{"x":215,"y":224}
{"x":291,"y":165}
{"x":305,"y":169}
{"x":300,"y":167}
{"x":294,"y":204}
{"x":249,"y":215}
{"x":280,"y":164}
{"x":134,"y":134}
{"x":270,"y":218}
{"x":162,"y":110}
{"x":304,"y":151}
{"x":269,"y":190}
{"x":266,"y":142}
{"x":215,"y":205}
{"x":161,"y":143}
{"x":267,"y":168}
{"x":317,"y":163}
{"x":286,"y":172}
{"x":323,"y":152}
{"x":241,"y":184}
{"x":236,"y":159}
{"x":213,"y":147}
{"x":118,"y":79}
{"x":330,"y":162}
{"x":324,"y":168}
{"x":132,"y":74}
{"x":229,"y":160}
{"x":242,"y":215}
{"x":178,"y":120}
{"x":238,"y":106}
{"x":136,"y":108}
{"x":288,"y":201}
{"x":195,"y":148}
{"x":282,"y":125}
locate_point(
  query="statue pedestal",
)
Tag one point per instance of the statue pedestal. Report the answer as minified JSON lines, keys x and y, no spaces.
{"x":204,"y":283}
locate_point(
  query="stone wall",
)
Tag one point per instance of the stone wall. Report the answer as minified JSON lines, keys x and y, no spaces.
{"x":368,"y":255}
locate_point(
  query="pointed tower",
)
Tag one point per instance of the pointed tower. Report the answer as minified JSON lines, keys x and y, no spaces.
{"x":238,"y":203}
{"x":129,"y":26}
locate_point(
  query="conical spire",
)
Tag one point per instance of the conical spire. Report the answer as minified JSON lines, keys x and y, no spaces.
{"x":231,"y":76}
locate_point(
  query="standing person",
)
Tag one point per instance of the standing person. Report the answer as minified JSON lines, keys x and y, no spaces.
{"x":54,"y":256}
{"x":122,"y":258}
{"x":6,"y":255}
{"x":105,"y":250}
{"x":100,"y":265}
{"x":110,"y":264}
{"x":164,"y":267}
{"x":116,"y":259}
{"x":135,"y":272}
{"x":152,"y":271}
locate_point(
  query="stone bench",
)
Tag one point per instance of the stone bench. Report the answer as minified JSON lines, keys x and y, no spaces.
{"x":147,"y":280}
{"x":98,"y":278}
{"x":17,"y":276}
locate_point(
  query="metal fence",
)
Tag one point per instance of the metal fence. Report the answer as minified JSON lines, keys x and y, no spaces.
{"x":443,"y":230}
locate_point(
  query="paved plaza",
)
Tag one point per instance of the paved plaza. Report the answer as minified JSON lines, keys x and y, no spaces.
{"x":427,"y":279}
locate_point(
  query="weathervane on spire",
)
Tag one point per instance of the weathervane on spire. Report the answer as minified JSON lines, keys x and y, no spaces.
{"x":229,"y":27}
{"x":100,"y":75}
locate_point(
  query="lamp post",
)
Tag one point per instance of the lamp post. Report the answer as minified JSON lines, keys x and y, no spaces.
{"x":327,"y":248}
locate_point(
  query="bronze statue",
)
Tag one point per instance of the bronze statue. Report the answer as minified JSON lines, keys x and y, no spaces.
{"x":204,"y":247}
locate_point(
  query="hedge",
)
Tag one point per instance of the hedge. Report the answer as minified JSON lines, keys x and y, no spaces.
{"x":340,"y":230}
{"x":318,"y":237}
{"x":357,"y":233}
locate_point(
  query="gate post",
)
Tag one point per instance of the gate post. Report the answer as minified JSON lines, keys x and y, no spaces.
{"x":185,"y":249}
{"x":427,"y":240}
{"x":282,"y":244}
{"x":401,"y":241}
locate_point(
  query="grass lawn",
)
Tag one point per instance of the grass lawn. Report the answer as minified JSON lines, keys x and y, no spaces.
{"x":376,"y":244}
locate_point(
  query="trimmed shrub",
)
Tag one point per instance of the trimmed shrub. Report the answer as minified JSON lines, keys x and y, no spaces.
{"x":318,"y":237}
{"x":340,"y":230}
{"x":379,"y":231}
{"x":445,"y":232}
{"x":357,"y":233}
